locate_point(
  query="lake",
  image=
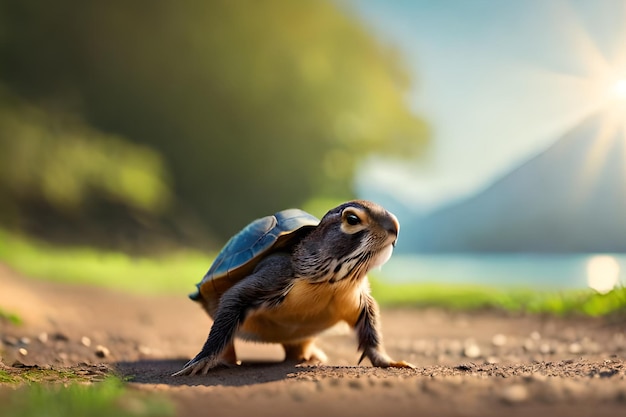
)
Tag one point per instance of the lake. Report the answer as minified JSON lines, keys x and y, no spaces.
{"x":562,"y":271}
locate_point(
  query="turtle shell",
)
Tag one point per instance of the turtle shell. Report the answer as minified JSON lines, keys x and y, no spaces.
{"x":243,"y":251}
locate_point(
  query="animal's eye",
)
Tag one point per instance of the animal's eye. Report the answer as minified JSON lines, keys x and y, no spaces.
{"x":352,"y":219}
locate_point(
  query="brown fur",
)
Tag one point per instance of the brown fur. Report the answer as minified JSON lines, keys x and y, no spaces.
{"x":307,"y":310}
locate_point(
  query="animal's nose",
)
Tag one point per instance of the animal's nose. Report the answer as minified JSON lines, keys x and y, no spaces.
{"x":391,"y":225}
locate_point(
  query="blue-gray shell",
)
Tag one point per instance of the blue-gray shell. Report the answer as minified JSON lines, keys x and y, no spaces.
{"x":244,"y":250}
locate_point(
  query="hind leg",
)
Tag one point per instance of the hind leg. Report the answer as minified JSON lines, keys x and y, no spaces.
{"x":304,"y":351}
{"x":229,"y":356}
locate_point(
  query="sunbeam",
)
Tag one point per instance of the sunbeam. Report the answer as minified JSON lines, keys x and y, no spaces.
{"x":619,"y":89}
{"x":600,"y":92}
{"x":607,"y":141}
{"x":595,"y":82}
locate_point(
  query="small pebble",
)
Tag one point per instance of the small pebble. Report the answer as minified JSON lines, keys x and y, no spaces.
{"x":23,"y":351}
{"x":472,"y":351}
{"x":102,"y":352}
{"x":144,"y":350}
{"x":545,"y":348}
{"x":43,"y":337}
{"x":60,"y":337}
{"x":25,"y":341}
{"x":465,"y":367}
{"x":85,"y":341}
{"x":498,"y":340}
{"x":575,"y":348}
{"x":535,"y":335}
{"x":514,"y":394}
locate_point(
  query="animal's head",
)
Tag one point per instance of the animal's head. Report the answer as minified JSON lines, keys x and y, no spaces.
{"x":351,"y":238}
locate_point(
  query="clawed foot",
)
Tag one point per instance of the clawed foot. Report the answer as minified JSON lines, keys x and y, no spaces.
{"x":304,"y":354}
{"x":382,"y":360}
{"x":200,"y":366}
{"x":388,"y":363}
{"x":317,"y":358}
{"x":400,"y":364}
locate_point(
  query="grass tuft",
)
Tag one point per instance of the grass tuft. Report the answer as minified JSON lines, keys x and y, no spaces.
{"x":35,"y":374}
{"x":10,"y":317}
{"x":7,"y":378}
{"x":103,"y":399}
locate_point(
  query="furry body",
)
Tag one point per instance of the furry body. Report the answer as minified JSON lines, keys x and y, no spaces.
{"x":294,"y":294}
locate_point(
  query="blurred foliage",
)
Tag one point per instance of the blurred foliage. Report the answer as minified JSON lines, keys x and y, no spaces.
{"x":106,"y":398}
{"x":64,"y":180}
{"x":59,"y":159}
{"x":176,"y":272}
{"x":254,"y":105}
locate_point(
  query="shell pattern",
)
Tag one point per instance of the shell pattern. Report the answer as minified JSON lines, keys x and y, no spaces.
{"x":244,"y":250}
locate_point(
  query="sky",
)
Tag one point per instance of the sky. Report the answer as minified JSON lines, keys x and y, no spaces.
{"x":497,"y":81}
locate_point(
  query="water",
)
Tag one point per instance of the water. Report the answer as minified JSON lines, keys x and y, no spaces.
{"x":600,"y":271}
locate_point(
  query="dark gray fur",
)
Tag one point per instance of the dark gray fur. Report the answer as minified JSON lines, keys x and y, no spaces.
{"x":265,"y":287}
{"x":367,"y":327}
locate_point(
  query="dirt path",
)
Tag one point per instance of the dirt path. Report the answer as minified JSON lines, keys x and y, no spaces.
{"x":479,"y":364}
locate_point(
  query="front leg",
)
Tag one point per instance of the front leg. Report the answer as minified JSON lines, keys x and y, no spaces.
{"x":229,"y":316}
{"x":370,"y":338}
{"x":265,"y":288}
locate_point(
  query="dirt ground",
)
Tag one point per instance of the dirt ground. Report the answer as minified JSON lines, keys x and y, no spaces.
{"x":468,"y":364}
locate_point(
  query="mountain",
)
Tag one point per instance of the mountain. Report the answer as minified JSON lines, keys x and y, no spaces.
{"x":569,"y":198}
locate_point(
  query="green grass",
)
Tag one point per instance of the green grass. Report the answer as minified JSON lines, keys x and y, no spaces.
{"x":107,"y":398}
{"x":10,"y":317}
{"x":472,"y":297}
{"x":179,"y":272}
{"x":41,"y":375}
{"x":35,"y":391}
{"x":7,"y":378}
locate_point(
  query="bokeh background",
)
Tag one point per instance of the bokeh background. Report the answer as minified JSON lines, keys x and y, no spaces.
{"x":188,"y":118}
{"x":494,"y":130}
{"x":525,"y":181}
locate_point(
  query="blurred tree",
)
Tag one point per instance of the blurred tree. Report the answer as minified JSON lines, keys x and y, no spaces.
{"x":64,"y":161}
{"x":254,"y":105}
{"x":52,"y":161}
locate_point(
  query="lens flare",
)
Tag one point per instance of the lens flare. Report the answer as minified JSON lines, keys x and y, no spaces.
{"x":619,"y":89}
{"x":602,"y":273}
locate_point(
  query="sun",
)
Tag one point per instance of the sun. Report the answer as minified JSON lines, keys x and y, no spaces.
{"x":603,"y":273}
{"x":619,"y":89}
